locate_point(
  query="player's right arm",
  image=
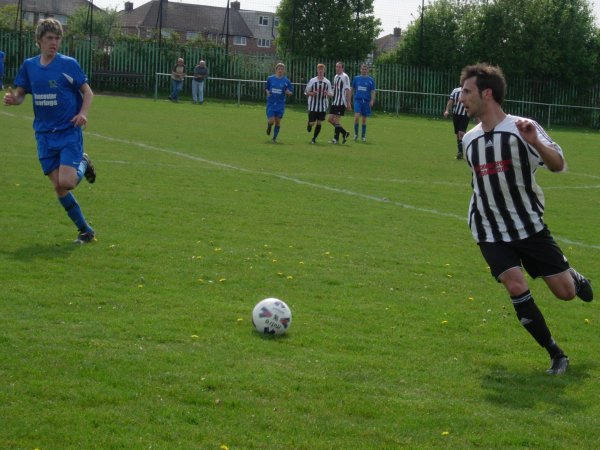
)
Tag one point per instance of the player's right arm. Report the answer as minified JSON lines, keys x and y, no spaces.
{"x":14,"y":97}
{"x":448,"y":108}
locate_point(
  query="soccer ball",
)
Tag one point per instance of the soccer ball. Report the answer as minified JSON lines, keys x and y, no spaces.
{"x":271,"y":316}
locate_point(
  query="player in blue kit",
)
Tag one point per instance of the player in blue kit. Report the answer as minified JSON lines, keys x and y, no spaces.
{"x":61,"y":101}
{"x":363,"y":88}
{"x":278,"y":86}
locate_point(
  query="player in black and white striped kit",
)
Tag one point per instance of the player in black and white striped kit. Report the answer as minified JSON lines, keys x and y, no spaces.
{"x":340,"y":102}
{"x":460,"y":119}
{"x":318,"y":90}
{"x":507,"y":206}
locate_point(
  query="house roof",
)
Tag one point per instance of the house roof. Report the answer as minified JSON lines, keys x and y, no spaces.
{"x":387,"y":43}
{"x":252,"y":21}
{"x":186,"y":17}
{"x":62,"y":7}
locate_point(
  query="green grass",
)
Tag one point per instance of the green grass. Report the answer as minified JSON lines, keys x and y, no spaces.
{"x":400,"y":337}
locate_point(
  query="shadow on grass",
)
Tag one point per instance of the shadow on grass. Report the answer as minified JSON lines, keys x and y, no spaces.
{"x":527,"y":389}
{"x":41,"y":251}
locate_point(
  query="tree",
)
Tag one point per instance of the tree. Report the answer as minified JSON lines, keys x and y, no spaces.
{"x":327,"y":29}
{"x":105,"y":25}
{"x":8,"y":19}
{"x":537,"y":39}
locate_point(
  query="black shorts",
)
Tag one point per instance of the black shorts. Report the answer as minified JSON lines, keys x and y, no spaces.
{"x":313,"y":116}
{"x":460,"y":123}
{"x":337,"y":110}
{"x":539,"y":255}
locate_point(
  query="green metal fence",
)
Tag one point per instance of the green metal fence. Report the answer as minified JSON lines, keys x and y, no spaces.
{"x":132,"y":67}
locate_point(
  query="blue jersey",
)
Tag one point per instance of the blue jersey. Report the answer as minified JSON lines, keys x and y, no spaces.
{"x":277,"y":87}
{"x":55,"y":89}
{"x":362,"y":87}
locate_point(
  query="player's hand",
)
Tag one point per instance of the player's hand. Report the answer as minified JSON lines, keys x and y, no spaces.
{"x":80,"y":120}
{"x":527,"y":130}
{"x":10,"y":98}
{"x":446,"y":114}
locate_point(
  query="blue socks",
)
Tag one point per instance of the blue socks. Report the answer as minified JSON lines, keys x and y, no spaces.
{"x":74,"y":212}
{"x":275,"y":131}
{"x":364,"y":131}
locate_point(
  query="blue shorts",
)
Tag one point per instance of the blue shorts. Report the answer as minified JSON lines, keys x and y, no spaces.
{"x":275,"y":111}
{"x":61,"y":148}
{"x":363,"y":107}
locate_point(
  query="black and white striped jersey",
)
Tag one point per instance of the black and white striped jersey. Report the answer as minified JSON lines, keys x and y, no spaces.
{"x":507,"y":204}
{"x":458,"y":109}
{"x":319,"y":102}
{"x":341,"y":84}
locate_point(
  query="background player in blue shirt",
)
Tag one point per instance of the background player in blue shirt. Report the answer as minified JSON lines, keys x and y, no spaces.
{"x":363,"y":88}
{"x":61,"y":101}
{"x":278,"y":86}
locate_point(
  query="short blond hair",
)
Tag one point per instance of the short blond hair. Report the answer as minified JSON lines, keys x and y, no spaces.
{"x":321,"y":66}
{"x":48,"y":25}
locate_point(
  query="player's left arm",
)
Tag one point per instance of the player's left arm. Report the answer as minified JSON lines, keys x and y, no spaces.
{"x":80,"y":119}
{"x":373,"y":93}
{"x":530,"y":132}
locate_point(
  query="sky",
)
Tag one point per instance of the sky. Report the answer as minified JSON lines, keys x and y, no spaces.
{"x":392,"y":13}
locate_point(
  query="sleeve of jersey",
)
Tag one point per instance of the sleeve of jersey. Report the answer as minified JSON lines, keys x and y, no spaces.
{"x":547,"y":141}
{"x":308,"y":88}
{"x":78,"y":74}
{"x":22,"y":79}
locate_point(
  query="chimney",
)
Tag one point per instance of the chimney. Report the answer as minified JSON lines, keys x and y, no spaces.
{"x":397,"y":31}
{"x":128,"y":6}
{"x":235,"y":5}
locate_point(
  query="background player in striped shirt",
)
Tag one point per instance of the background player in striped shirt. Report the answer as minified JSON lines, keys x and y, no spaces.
{"x":460,"y":119}
{"x":363,"y":88}
{"x":340,"y":101}
{"x":507,"y":205}
{"x":318,"y":90}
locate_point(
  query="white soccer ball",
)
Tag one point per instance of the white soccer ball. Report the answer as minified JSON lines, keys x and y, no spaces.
{"x":271,"y":316}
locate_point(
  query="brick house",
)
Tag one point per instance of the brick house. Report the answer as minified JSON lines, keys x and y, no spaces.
{"x":34,"y":10}
{"x":246,"y":31}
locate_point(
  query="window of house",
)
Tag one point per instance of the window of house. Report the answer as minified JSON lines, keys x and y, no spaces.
{"x":28,"y":16}
{"x":276,"y":22}
{"x":191,"y":35}
{"x":264,"y":21}
{"x":264,"y":43}
{"x":239,"y":40}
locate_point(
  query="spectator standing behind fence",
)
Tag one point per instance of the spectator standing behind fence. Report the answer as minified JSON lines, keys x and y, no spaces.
{"x":363,"y":88}
{"x":177,"y":77}
{"x":1,"y":68}
{"x":200,"y":75}
{"x":61,"y":100}
{"x":507,"y":205}
{"x":278,"y":86}
{"x":460,"y":119}
{"x":339,"y":103}
{"x":318,"y":90}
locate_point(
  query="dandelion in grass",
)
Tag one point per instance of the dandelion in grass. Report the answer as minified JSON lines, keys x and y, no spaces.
{"x":445,"y":433}
{"x":444,"y":322}
{"x":586,"y":321}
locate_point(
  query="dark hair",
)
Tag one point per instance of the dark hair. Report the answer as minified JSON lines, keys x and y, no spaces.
{"x":488,"y":77}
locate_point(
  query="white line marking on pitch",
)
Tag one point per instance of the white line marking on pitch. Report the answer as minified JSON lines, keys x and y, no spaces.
{"x":308,"y":183}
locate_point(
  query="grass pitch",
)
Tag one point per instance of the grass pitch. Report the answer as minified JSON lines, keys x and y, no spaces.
{"x":400,"y":337}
